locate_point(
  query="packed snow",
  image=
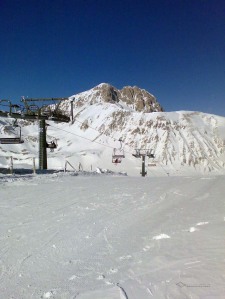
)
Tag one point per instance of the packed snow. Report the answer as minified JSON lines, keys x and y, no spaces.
{"x":107,"y":236}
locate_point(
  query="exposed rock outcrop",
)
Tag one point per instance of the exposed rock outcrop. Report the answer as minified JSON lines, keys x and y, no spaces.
{"x":134,"y":98}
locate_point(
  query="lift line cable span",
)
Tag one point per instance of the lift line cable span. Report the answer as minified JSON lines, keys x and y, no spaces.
{"x":26,"y":135}
{"x":109,"y":146}
{"x":128,"y":152}
{"x":56,"y":99}
{"x":109,"y":136}
{"x":24,"y":100}
{"x":81,"y":122}
{"x":91,"y":141}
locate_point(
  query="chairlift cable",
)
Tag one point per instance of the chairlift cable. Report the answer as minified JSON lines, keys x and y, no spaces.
{"x":81,"y":136}
{"x":95,"y":141}
{"x":109,"y":136}
{"x":98,"y":131}
{"x":109,"y":146}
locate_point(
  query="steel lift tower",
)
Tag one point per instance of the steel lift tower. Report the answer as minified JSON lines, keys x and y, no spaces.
{"x":143,"y":153}
{"x":33,"y":112}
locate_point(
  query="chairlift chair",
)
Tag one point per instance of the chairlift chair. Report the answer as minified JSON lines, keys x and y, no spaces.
{"x":12,"y":140}
{"x":118,"y":154}
{"x":152,"y":157}
{"x":150,"y":154}
{"x":137,"y":153}
{"x":52,"y":145}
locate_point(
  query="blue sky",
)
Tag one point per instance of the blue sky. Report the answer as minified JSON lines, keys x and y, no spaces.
{"x":175,"y":49}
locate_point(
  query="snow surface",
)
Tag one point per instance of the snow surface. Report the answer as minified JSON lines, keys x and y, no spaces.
{"x":102,"y":236}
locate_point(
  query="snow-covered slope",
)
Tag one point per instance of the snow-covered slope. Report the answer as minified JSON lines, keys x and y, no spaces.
{"x":181,"y":141}
{"x":107,"y":237}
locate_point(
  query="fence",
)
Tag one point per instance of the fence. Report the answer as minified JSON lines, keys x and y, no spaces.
{"x":10,"y":165}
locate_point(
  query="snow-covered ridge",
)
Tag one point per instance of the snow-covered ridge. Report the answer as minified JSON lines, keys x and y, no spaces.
{"x":182,"y":140}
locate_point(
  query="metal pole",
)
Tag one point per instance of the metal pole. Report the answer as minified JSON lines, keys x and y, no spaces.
{"x":11,"y":165}
{"x":143,"y":172}
{"x":20,"y":134}
{"x":34,"y":167}
{"x":71,"y":108}
{"x":42,"y":145}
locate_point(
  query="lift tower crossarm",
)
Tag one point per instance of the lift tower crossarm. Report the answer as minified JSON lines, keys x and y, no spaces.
{"x":41,"y":114}
{"x":142,"y":153}
{"x":43,"y":100}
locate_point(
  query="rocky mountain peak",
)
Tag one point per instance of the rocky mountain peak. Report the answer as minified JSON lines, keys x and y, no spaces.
{"x":107,"y":92}
{"x":134,"y":97}
{"x":140,"y":98}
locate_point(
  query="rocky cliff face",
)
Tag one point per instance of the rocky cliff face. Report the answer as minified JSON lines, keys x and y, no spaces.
{"x":131,"y":98}
{"x":141,"y":100}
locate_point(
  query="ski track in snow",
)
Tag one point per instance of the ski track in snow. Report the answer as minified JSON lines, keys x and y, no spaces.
{"x":112,"y":237}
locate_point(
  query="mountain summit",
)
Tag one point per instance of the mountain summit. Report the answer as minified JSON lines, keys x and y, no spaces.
{"x":131,"y":98}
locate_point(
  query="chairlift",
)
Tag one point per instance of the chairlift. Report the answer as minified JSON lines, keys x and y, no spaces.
{"x":152,"y":162}
{"x":12,"y":140}
{"x":149,"y":154}
{"x":52,"y":145}
{"x":16,"y":108}
{"x":118,"y":154}
{"x":137,"y":153}
{"x":33,"y":109}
